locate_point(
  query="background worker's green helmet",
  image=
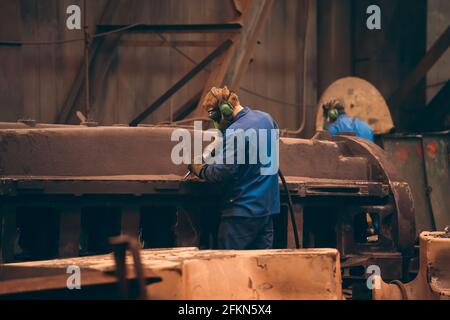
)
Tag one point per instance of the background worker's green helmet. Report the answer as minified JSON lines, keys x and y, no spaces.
{"x":333,"y":114}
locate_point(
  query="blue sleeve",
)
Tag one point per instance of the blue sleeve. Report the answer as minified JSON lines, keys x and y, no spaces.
{"x":332,"y":129}
{"x":223,"y":172}
{"x":363,"y":130}
{"x":217,"y":173}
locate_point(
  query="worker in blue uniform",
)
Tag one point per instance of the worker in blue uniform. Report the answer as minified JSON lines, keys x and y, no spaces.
{"x":249,"y":197}
{"x":337,"y":121}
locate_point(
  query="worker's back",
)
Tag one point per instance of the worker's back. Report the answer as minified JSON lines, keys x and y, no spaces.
{"x":345,"y":123}
{"x":253,"y":189}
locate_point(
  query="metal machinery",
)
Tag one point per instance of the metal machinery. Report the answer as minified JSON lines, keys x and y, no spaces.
{"x":118,"y":281}
{"x":432,"y":281}
{"x":67,"y":175}
{"x":424,"y":161}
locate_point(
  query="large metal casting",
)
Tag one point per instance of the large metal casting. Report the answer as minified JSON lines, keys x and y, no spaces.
{"x":187,"y":274}
{"x":336,"y":184}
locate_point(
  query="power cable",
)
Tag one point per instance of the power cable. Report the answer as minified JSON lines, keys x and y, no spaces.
{"x":291,"y":209}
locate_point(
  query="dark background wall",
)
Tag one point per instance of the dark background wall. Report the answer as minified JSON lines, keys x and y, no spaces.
{"x":282,"y":78}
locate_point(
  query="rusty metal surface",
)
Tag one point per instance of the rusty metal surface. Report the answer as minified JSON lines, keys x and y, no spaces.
{"x":120,"y":246}
{"x":402,"y":198}
{"x":18,"y":282}
{"x":436,"y":157}
{"x":407,"y":155}
{"x":132,"y":168}
{"x":432,"y":281}
{"x":29,"y":124}
{"x":424,"y":161}
{"x":37,"y":281}
{"x":141,"y":185}
{"x":80,"y":151}
{"x":189,"y":273}
{"x":116,"y":151}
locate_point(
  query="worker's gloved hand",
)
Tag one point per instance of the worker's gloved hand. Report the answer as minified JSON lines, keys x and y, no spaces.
{"x":196,"y":169}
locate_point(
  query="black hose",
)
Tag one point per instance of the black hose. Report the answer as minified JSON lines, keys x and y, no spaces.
{"x":401,"y":287}
{"x":291,"y":209}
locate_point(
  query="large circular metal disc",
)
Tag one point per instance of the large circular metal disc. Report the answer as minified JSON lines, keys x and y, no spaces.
{"x":362,"y":100}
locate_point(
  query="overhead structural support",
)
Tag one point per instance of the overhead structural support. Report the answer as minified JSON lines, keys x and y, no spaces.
{"x":229,"y":71}
{"x":232,"y":66}
{"x":101,"y":54}
{"x":187,"y":107}
{"x":155,"y":105}
{"x":334,"y":30}
{"x":434,"y":53}
{"x":188,"y":28}
{"x":245,"y":44}
{"x":441,"y":101}
{"x":433,"y":115}
{"x":76,"y":89}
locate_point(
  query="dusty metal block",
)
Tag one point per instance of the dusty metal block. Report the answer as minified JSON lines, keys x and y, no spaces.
{"x":189,"y":273}
{"x":264,"y":274}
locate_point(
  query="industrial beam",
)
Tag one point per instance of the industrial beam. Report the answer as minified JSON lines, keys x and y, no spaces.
{"x":434,"y":53}
{"x":187,"y":107}
{"x":10,"y":43}
{"x":229,"y":70}
{"x":185,"y":79}
{"x":100,"y":50}
{"x":257,"y":16}
{"x":440,"y":104}
{"x":191,"y":28}
{"x":169,"y":43}
{"x":334,"y":38}
{"x":438,"y":107}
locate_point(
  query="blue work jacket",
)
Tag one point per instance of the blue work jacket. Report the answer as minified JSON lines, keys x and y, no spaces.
{"x":246,"y":191}
{"x":345,"y":123}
